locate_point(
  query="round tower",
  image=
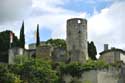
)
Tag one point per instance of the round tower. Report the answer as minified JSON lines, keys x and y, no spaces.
{"x":77,"y":48}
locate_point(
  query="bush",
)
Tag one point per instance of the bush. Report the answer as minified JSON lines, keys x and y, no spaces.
{"x":76,"y":69}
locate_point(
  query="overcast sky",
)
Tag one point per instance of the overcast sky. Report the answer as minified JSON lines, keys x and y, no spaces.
{"x":106,"y":19}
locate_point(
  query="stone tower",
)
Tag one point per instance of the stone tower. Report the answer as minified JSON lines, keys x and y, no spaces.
{"x":77,"y":48}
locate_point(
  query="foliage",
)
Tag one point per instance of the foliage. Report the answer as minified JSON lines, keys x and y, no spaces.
{"x":6,"y":76}
{"x":31,"y":71}
{"x":21,"y":59}
{"x":37,"y":71}
{"x":5,"y":44}
{"x":57,"y":43}
{"x":37,"y":36}
{"x":92,"y":50}
{"x":40,"y":71}
{"x":5,"y":40}
{"x":22,"y":37}
{"x":10,"y":78}
{"x":76,"y":69}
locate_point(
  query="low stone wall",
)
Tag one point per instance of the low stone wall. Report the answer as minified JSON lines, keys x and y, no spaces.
{"x":13,"y":53}
{"x":111,"y":75}
{"x":44,"y":52}
{"x":59,"y":55}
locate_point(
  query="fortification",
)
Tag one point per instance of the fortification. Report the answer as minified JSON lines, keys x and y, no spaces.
{"x":77,"y":39}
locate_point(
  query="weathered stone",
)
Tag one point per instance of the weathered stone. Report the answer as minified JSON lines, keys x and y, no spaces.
{"x":59,"y":55}
{"x":77,"y":39}
{"x":113,"y":55}
{"x":13,"y":53}
{"x":112,"y":75}
{"x":44,"y":52}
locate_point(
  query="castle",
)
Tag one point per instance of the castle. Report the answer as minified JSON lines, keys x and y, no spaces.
{"x":77,"y":52}
{"x":77,"y":49}
{"x":76,"y":45}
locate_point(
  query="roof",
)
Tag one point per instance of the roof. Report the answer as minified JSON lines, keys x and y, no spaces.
{"x":30,"y":49}
{"x":41,"y":42}
{"x":111,"y":50}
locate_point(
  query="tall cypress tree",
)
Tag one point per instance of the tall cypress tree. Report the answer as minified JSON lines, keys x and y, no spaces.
{"x":37,"y":36}
{"x":92,"y":52}
{"x":22,"y":36}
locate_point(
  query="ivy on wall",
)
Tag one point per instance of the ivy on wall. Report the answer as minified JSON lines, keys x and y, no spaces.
{"x":76,"y":69}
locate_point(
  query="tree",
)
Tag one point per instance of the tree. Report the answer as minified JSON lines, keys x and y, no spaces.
{"x":92,"y":50}
{"x":61,"y":43}
{"x":6,"y":76}
{"x":37,"y":36}
{"x":38,"y":71}
{"x":5,"y":44}
{"x":22,"y":36}
{"x":5,"y":40}
{"x":31,"y":71}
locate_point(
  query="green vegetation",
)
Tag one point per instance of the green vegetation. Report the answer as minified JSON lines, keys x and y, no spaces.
{"x":37,"y":36}
{"x":61,"y":43}
{"x":57,"y":43}
{"x":5,"y":40}
{"x":21,"y":59}
{"x":92,"y":50}
{"x":39,"y":71}
{"x":22,"y":37}
{"x":31,"y":71}
{"x":6,"y":76}
{"x":76,"y":69}
{"x":5,"y":44}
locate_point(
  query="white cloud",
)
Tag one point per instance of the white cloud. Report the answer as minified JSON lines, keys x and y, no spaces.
{"x":108,"y":25}
{"x":11,"y":10}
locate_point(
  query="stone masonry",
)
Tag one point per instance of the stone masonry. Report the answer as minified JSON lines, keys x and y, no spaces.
{"x":77,"y":40}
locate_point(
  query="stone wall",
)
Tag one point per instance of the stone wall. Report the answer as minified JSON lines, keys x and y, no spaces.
{"x":113,"y":56}
{"x":87,"y":77}
{"x":44,"y":52}
{"x":108,"y":57}
{"x":111,"y":75}
{"x":108,"y":76}
{"x":13,"y":52}
{"x":59,"y":55}
{"x":30,"y":53}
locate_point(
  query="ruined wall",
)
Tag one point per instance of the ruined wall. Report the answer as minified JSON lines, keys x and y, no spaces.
{"x":31,"y":53}
{"x":108,"y":57}
{"x":122,"y":57}
{"x":112,"y":57}
{"x":98,"y":76}
{"x":77,"y":39}
{"x":108,"y":76}
{"x":44,"y":52}
{"x":59,"y":55}
{"x":13,"y":52}
{"x":87,"y":77}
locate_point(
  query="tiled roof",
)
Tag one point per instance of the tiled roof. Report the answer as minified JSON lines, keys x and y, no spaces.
{"x":111,"y":50}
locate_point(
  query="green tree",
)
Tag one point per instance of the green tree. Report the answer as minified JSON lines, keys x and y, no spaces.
{"x":5,"y":40}
{"x":57,"y":43}
{"x":5,"y":44}
{"x":22,"y":36}
{"x":38,"y":71}
{"x":37,"y":36}
{"x":92,"y":50}
{"x":6,"y":76}
{"x":30,"y":71}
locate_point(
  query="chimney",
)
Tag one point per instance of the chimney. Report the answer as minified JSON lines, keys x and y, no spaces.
{"x":105,"y":47}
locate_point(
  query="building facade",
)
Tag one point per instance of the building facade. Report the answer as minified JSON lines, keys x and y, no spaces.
{"x":113,"y":55}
